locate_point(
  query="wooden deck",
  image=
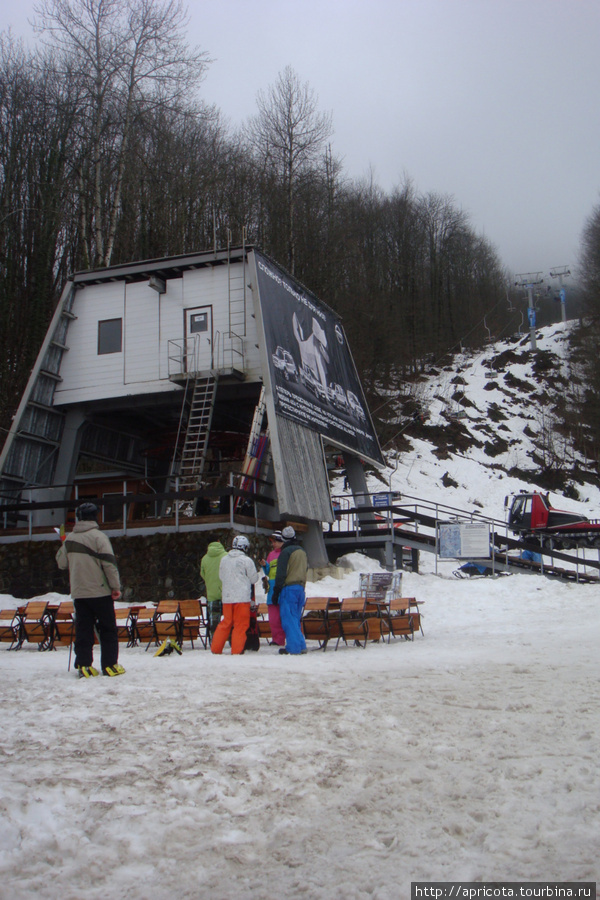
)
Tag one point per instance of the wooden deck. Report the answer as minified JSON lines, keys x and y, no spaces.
{"x":150,"y":525}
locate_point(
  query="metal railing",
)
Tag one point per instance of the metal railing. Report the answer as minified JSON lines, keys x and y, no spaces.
{"x":228,"y":351}
{"x":186,"y":356}
{"x":361,"y":513}
{"x":183,"y":357}
{"x":180,"y":507}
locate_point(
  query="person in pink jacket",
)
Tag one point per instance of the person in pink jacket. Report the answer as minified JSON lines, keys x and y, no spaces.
{"x":269,"y":566}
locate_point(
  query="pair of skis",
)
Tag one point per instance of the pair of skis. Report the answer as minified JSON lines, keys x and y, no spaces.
{"x":167,"y":647}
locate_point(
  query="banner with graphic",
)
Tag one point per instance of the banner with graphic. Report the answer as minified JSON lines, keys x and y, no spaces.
{"x":314,"y":378}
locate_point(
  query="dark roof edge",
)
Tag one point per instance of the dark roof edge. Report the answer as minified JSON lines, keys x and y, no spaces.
{"x":167,"y":265}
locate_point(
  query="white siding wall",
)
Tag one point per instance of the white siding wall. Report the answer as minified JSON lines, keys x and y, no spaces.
{"x":171,"y":321}
{"x":223,"y":289}
{"x":84,"y":373}
{"x":150,"y":321}
{"x":141,"y":333}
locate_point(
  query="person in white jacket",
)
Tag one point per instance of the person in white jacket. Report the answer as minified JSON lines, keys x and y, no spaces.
{"x":237,"y":573}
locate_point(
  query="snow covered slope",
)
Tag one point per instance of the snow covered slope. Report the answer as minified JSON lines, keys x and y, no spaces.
{"x":490,"y":431}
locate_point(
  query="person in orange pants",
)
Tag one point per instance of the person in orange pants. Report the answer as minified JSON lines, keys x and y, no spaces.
{"x":235,"y":623}
{"x":237,"y":573}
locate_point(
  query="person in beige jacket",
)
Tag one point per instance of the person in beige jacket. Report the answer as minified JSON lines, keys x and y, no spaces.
{"x":95,"y":585}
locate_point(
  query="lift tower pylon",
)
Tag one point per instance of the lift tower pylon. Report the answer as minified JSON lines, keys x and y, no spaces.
{"x":528,"y":280}
{"x":561,"y":272}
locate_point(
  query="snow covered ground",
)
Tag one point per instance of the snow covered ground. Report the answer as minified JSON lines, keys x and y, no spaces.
{"x":470,"y":754}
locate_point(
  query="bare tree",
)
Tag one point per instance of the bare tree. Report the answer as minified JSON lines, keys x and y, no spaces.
{"x":188,"y":159}
{"x":590,"y":261}
{"x":125,"y":58}
{"x":36,"y":223}
{"x":289,"y":134}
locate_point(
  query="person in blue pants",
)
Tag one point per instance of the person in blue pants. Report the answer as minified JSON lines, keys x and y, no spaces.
{"x":288,"y":591}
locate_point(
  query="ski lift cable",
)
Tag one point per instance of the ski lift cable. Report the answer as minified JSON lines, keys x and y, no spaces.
{"x":459,"y":343}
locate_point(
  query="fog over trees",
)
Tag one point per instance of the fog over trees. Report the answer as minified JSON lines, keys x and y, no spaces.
{"x":582,"y":414}
{"x":109,"y":154}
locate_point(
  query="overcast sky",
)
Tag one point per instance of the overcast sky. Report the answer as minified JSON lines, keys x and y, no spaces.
{"x":494,"y":102}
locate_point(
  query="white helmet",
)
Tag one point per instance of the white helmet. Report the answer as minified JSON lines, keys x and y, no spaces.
{"x":241,"y":542}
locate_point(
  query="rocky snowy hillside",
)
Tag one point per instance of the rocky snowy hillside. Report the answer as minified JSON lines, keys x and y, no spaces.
{"x":490,"y":429}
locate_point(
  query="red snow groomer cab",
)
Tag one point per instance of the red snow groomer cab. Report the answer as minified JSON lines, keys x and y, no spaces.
{"x":532,"y":516}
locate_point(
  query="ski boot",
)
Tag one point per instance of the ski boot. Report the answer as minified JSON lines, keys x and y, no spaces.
{"x":115,"y":669}
{"x":87,"y":671}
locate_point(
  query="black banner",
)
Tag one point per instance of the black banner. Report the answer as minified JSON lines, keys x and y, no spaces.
{"x":314,"y":378}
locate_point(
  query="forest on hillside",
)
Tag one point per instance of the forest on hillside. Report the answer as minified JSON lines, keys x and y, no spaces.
{"x":108,"y":154}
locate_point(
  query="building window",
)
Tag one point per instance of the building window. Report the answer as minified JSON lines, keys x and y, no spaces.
{"x":198,"y":322}
{"x":110,"y":336}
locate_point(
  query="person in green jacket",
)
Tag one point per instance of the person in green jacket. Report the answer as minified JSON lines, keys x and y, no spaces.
{"x":209,"y":572}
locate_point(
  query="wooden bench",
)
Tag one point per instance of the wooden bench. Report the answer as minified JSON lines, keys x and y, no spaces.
{"x":264,"y":626}
{"x":315,"y":619}
{"x":400,"y":622}
{"x":349,"y":622}
{"x":63,"y":632}
{"x":37,"y":625}
{"x":10,"y":628}
{"x":193,"y":623}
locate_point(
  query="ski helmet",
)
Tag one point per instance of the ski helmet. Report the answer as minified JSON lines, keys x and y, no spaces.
{"x":241,"y":542}
{"x":87,"y":512}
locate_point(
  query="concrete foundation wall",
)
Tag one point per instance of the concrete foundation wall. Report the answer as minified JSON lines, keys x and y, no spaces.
{"x":161,"y":567}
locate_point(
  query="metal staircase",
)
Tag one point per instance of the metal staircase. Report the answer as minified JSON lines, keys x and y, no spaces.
{"x":30,"y":451}
{"x":193,"y":455}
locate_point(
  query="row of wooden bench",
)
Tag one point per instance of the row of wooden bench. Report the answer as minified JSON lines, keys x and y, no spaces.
{"x":360,"y":619}
{"x":350,"y":619}
{"x":48,"y":626}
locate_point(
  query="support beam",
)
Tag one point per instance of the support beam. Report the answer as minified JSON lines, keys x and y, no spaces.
{"x":355,"y":474}
{"x":68,"y":453}
{"x":314,"y":544}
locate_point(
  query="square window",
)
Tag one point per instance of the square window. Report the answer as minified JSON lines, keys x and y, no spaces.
{"x":198,"y":322}
{"x":110,"y":336}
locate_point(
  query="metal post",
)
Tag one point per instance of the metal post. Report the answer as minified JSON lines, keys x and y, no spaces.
{"x":531,"y":317}
{"x":389,"y":554}
{"x":528,"y":280}
{"x":561,"y":272}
